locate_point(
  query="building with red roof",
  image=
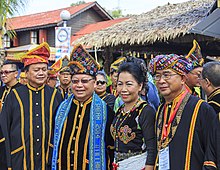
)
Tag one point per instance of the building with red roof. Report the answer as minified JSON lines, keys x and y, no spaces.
{"x":40,"y":27}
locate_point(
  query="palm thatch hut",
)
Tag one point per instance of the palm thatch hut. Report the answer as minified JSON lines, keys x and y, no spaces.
{"x":164,"y":29}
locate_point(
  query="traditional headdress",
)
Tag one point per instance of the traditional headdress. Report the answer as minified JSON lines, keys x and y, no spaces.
{"x":115,"y":65}
{"x":40,"y":54}
{"x":82,"y":62}
{"x":52,"y":73}
{"x":195,"y":55}
{"x":61,"y":65}
{"x":178,"y":64}
{"x":23,"y":75}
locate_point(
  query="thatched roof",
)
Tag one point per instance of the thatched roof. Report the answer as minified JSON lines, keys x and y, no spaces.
{"x":160,"y":24}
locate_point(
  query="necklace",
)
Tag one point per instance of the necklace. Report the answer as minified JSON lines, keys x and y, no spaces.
{"x":164,"y":142}
{"x":121,"y":121}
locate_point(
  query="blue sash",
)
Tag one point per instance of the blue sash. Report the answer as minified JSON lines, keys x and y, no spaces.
{"x":98,"y":119}
{"x":61,"y":115}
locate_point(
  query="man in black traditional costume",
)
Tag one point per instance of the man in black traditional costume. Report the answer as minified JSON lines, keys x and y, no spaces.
{"x":183,"y":120}
{"x":26,"y":118}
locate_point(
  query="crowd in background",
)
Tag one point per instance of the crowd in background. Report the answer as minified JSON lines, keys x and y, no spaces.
{"x":161,"y":115}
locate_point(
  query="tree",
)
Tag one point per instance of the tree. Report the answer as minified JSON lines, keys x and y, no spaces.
{"x":8,"y":8}
{"x":78,"y":3}
{"x":117,"y":13}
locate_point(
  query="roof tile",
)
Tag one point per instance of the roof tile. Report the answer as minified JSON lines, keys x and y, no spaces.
{"x":43,"y":18}
{"x":95,"y":27}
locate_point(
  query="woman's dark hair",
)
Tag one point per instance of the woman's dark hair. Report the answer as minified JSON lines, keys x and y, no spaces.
{"x":137,"y":68}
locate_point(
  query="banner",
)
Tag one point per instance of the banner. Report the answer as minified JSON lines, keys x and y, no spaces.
{"x":62,"y":41}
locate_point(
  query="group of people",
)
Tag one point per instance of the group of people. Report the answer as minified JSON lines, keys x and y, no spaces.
{"x":134,"y":124}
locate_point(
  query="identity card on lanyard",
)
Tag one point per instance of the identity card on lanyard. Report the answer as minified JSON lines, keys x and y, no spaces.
{"x":164,"y":159}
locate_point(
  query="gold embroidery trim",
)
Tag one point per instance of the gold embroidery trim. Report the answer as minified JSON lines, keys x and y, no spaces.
{"x":31,"y":130}
{"x":70,"y":142}
{"x":17,"y":150}
{"x":85,"y":161}
{"x":160,"y":143}
{"x":79,"y":132}
{"x":43,"y":129}
{"x":213,"y":94}
{"x":61,"y":143}
{"x":190,"y":136}
{"x":22,"y":126}
{"x":217,"y":104}
{"x":2,"y":140}
{"x":210,"y":163}
{"x":50,"y":124}
{"x":35,"y":89}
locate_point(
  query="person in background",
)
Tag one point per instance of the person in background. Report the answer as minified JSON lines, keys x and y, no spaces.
{"x":183,"y":120}
{"x":64,"y":77}
{"x":112,"y":89}
{"x":150,"y":92}
{"x":133,"y":125}
{"x":52,"y":78}
{"x":23,"y":78}
{"x":210,"y":82}
{"x":8,"y":73}
{"x":192,"y":78}
{"x":82,"y":138}
{"x":27,"y":115}
{"x":100,"y":89}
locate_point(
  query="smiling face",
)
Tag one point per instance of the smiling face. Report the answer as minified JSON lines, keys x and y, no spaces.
{"x":37,"y":74}
{"x":128,"y":88}
{"x":171,"y":87}
{"x":82,"y":86}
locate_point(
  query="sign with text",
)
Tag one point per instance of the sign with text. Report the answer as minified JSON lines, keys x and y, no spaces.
{"x":62,"y":41}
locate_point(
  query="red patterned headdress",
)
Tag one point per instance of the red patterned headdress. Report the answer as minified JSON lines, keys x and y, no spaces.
{"x":61,"y":65}
{"x":40,"y":54}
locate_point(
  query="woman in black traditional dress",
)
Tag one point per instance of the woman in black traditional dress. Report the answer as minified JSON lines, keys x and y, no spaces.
{"x":133,"y":126}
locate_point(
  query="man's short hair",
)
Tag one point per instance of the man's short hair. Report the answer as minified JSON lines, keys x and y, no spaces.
{"x":13,"y":64}
{"x":211,"y":71}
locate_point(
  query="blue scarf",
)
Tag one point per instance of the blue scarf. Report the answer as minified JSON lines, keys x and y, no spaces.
{"x":98,"y":119}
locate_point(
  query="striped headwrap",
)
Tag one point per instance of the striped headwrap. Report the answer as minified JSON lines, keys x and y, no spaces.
{"x":178,"y":64}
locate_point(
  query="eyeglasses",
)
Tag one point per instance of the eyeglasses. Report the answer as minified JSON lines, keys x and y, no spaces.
{"x":100,"y":82}
{"x":83,"y":81}
{"x":6,"y":72}
{"x":165,"y":76}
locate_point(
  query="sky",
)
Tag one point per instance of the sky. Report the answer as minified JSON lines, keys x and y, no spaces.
{"x":127,"y":6}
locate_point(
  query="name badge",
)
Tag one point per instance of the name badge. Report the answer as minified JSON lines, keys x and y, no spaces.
{"x":164,"y":159}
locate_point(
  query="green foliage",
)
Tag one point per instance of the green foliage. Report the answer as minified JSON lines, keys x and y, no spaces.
{"x":7,"y":9}
{"x":78,"y":3}
{"x":117,"y":13}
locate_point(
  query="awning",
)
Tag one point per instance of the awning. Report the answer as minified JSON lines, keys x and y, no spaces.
{"x":17,"y":52}
{"x":209,"y":26}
